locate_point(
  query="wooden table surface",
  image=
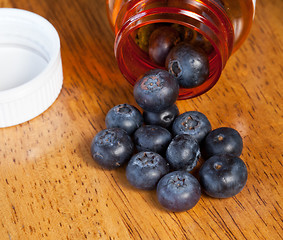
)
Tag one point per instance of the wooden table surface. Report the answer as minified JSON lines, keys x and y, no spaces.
{"x":50,"y":188}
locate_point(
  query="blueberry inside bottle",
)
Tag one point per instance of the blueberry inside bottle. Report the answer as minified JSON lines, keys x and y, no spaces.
{"x":146,"y":31}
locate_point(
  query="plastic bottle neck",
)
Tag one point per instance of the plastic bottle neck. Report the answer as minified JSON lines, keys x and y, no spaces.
{"x":206,"y":17}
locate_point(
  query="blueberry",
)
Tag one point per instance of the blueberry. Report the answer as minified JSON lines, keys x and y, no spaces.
{"x":152,"y":138}
{"x":178,"y":191}
{"x":160,"y":43}
{"x":223,"y":140}
{"x":163,"y":119}
{"x":112,"y":147}
{"x":200,"y":41}
{"x":156,"y":91}
{"x":124,"y":116}
{"x":188,"y":64}
{"x":192,"y":123}
{"x":145,"y":169}
{"x":183,"y":152}
{"x":223,"y":176}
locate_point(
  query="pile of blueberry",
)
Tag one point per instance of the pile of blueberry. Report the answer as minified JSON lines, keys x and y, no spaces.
{"x":161,"y":147}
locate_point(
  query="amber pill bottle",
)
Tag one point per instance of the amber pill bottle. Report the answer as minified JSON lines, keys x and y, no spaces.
{"x":224,"y":23}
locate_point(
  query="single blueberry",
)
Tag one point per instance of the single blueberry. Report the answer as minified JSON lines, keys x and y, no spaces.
{"x":223,"y":176}
{"x":222,"y":140}
{"x":145,"y":169}
{"x":156,"y":90}
{"x":164,"y":118}
{"x":112,"y":147}
{"x":161,"y":41}
{"x":183,"y":152}
{"x":188,"y":64}
{"x":199,"y":41}
{"x":178,"y":191}
{"x":124,"y":116}
{"x":192,"y":123}
{"x":152,"y":138}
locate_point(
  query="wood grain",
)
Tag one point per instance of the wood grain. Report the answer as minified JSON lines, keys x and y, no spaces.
{"x":50,"y":188}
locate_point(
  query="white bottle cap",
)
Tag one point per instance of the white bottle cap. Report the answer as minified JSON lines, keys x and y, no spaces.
{"x":31,"y":75}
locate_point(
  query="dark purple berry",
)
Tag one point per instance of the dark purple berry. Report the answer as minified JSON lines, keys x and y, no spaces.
{"x":156,"y":91}
{"x":223,"y":176}
{"x":160,"y":43}
{"x":188,"y":64}
{"x":178,"y":191}
{"x":183,"y":152}
{"x":163,"y":119}
{"x":112,"y":147}
{"x":200,"y":41}
{"x":192,"y":123}
{"x":124,"y":116}
{"x":223,"y":140}
{"x":145,"y":169}
{"x":152,"y":138}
